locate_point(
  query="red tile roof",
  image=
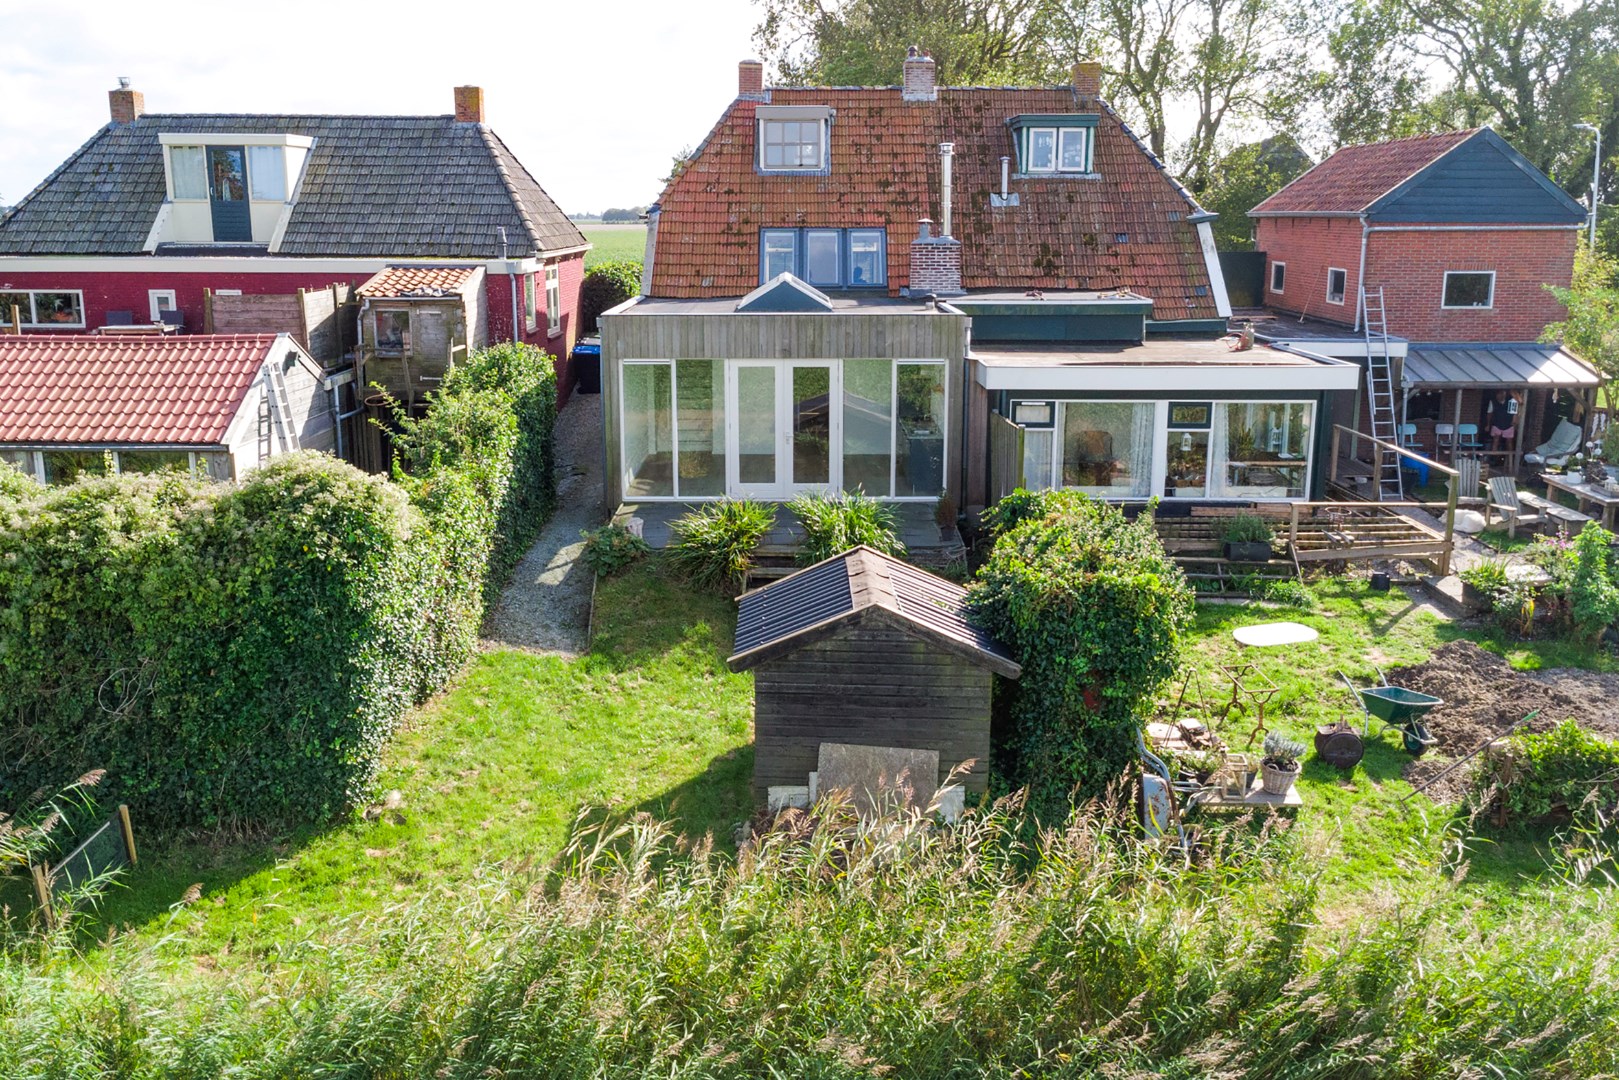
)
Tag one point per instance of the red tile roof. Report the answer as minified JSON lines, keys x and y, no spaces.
{"x":171,"y":390}
{"x":426,"y":280}
{"x":1065,"y":234}
{"x":1357,"y":176}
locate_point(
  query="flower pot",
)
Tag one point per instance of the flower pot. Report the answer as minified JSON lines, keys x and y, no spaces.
{"x":1247,"y":551}
{"x":1278,"y":781}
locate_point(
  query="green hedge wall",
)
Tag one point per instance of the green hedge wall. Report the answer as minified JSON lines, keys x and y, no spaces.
{"x":240,"y":654}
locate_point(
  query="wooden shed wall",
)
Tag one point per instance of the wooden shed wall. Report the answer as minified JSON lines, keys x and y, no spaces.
{"x":872,"y":686}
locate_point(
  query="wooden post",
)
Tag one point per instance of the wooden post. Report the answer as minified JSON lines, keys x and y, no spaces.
{"x":207,"y":311}
{"x":303,"y":320}
{"x":1450,"y":524}
{"x":1455,"y":435}
{"x":129,"y":832}
{"x":16,"y":319}
{"x":42,"y":894}
{"x":1293,"y":532}
{"x":1337,"y":438}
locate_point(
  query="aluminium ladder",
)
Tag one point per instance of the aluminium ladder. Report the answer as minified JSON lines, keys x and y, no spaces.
{"x":1380,"y":386}
{"x":280,"y":410}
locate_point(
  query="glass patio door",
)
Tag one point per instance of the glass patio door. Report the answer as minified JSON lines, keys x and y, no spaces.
{"x":814,"y":426}
{"x":753,"y":439}
{"x":783,"y":427}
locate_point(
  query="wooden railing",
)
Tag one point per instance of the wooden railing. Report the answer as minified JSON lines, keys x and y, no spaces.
{"x":1453,"y":484}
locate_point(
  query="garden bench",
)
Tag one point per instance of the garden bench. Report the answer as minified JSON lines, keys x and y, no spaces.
{"x":1505,"y":497}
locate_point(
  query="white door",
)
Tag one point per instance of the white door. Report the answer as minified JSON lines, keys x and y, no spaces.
{"x":783,"y":427}
{"x":753,"y":430}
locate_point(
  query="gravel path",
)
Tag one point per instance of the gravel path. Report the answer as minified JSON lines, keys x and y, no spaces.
{"x":546,"y":607}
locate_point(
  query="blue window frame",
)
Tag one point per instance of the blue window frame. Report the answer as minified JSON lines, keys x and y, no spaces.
{"x":826,"y":258}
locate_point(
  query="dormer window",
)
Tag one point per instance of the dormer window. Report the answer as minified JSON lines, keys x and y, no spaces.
{"x":792,"y":138}
{"x":228,"y":187}
{"x":1055,"y":144}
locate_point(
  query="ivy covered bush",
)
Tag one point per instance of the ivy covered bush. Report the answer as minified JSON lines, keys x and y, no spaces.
{"x":1095,"y":611}
{"x":1566,"y":768}
{"x":607,"y":285}
{"x":240,"y":653}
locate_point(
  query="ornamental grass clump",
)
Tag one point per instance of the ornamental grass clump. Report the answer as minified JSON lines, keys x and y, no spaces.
{"x":714,"y":545}
{"x":894,"y":949}
{"x":1095,"y":610}
{"x":836,"y":523}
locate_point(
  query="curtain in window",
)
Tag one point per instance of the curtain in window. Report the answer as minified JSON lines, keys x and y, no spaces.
{"x":267,"y":172}
{"x":1107,"y":447}
{"x":190,"y":175}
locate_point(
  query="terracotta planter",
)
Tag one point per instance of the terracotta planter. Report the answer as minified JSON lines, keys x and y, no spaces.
{"x":1278,"y":781}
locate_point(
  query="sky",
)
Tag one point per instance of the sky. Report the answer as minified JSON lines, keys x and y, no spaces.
{"x":595,"y":98}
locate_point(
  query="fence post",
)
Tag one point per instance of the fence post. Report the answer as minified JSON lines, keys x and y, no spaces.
{"x":1293,"y":528}
{"x":42,"y":895}
{"x":128,"y":830}
{"x":1332,"y":467}
{"x":1450,"y":524}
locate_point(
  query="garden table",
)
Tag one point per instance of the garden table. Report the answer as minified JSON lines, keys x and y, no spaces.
{"x":1586,"y":493}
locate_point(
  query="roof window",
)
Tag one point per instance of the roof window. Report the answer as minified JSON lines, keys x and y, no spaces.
{"x":1061,"y":144}
{"x":792,"y":138}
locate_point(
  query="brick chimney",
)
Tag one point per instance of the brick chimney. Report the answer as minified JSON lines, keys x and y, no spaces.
{"x":469,"y":104}
{"x":124,"y":103}
{"x":918,"y":82}
{"x":750,"y":81}
{"x":1088,"y":80}
{"x":935,"y":263}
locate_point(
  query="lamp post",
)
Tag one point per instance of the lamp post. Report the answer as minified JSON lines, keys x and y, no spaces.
{"x":1596,"y":170}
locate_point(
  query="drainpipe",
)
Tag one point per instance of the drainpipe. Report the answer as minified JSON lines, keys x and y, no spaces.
{"x":510,"y":277}
{"x":1360,"y":281}
{"x":946,"y":158}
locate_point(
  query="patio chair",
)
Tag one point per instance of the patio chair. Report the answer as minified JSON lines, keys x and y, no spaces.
{"x":1444,"y":437}
{"x":1505,"y":497}
{"x":1467,"y":437}
{"x":1556,"y":450}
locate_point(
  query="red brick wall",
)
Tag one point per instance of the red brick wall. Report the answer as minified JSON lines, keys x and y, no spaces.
{"x":108,"y":290}
{"x":1411,"y":268}
{"x":1309,"y":246}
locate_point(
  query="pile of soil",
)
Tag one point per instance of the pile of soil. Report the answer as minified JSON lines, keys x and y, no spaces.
{"x":1485,"y":699}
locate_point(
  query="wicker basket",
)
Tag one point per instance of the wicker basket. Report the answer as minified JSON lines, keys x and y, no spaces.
{"x":1278,"y":781}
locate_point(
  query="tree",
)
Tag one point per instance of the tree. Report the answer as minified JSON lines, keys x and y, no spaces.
{"x":1246,"y":177}
{"x":1371,"y":90}
{"x":1591,"y":330}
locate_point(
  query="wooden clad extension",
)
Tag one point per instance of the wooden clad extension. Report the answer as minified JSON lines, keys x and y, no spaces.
{"x":869,"y":650}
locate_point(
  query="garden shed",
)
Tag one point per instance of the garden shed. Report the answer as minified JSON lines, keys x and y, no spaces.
{"x":865,"y":649}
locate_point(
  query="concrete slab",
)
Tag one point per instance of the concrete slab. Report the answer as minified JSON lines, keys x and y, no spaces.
{"x":878,"y":776}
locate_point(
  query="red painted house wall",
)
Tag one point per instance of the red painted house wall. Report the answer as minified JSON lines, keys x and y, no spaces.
{"x":1411,"y":268}
{"x":126,"y":290}
{"x":498,"y":293}
{"x":1309,"y":246}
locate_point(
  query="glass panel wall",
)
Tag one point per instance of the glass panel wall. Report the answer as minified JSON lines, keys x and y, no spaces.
{"x":756,"y":424}
{"x":868,"y":425}
{"x":648,"y":431}
{"x":21,"y":460}
{"x":66,"y":466}
{"x":919,"y":448}
{"x":812,"y":424}
{"x":1107,"y":447}
{"x":153,"y":461}
{"x":1262,"y":449}
{"x":700,"y":424}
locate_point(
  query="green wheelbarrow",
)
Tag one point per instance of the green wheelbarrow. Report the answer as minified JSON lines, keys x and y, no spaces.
{"x":1398,"y":708}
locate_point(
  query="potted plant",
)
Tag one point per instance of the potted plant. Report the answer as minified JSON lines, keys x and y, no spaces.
{"x":1280,"y":765}
{"x":1480,"y":584}
{"x":1247,"y":538}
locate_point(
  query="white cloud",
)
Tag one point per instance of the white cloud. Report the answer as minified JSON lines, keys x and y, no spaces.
{"x":594,"y":98}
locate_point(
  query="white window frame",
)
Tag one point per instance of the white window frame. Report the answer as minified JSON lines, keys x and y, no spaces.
{"x":1056,"y":151}
{"x":1055,"y":428}
{"x":763,"y":124}
{"x":1445,"y":288}
{"x":531,"y":305}
{"x":30,"y":316}
{"x":1331,"y":270}
{"x":1217,"y":426}
{"x":155,"y":295}
{"x":1275,"y":266}
{"x":1084,"y":135}
{"x":553,"y":300}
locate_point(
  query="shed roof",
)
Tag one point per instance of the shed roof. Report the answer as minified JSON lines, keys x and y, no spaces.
{"x":1466,"y":365}
{"x":419,"y":281}
{"x":180,"y":390}
{"x":861,"y":583}
{"x":374,"y":186}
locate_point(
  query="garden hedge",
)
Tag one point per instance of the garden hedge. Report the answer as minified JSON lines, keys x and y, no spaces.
{"x":607,"y":285}
{"x":240,"y":653}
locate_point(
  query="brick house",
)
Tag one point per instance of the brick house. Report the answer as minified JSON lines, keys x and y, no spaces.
{"x":918,"y":290}
{"x":1454,"y":237}
{"x":158,"y":211}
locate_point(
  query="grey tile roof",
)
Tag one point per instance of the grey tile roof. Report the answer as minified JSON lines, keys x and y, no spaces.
{"x":374,"y":186}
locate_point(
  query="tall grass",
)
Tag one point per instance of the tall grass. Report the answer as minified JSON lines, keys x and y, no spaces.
{"x":714,"y":545}
{"x":835,"y":950}
{"x":835,"y":523}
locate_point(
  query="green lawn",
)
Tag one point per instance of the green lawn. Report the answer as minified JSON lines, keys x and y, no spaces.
{"x":614,"y":242}
{"x":496,"y":769}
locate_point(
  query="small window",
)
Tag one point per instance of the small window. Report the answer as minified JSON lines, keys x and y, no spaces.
{"x":868,"y":259}
{"x":821,"y":261}
{"x":791,"y":144}
{"x":190,"y":175}
{"x":553,"y":300}
{"x":1042,"y":150}
{"x":1278,"y":276}
{"x":160,"y":300}
{"x":531,"y":318}
{"x":393,"y":332}
{"x":779,"y":253}
{"x":54,"y":309}
{"x":1337,"y":282}
{"x":1075,"y":150}
{"x":267,"y":173}
{"x":1034,"y":414}
{"x":1470,"y":289}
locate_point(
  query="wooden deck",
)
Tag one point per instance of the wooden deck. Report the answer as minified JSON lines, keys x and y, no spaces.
{"x":927,"y":543}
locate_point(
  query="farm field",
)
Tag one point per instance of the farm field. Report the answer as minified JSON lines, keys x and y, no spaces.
{"x":613,"y":242}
